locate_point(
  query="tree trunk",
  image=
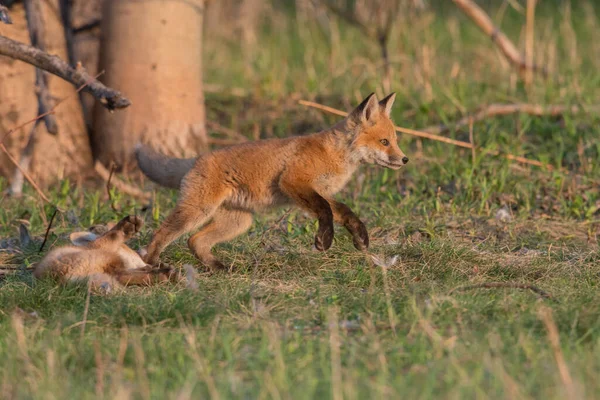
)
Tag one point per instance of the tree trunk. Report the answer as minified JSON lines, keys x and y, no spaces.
{"x":53,"y":157}
{"x":152,"y":50}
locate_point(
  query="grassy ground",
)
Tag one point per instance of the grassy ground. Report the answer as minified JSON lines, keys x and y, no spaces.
{"x":288,"y":322}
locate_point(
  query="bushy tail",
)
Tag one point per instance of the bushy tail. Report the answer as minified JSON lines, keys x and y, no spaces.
{"x":166,"y":171}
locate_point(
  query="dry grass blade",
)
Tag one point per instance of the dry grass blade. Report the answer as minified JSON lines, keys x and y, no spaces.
{"x":505,"y":285}
{"x":545,"y":315}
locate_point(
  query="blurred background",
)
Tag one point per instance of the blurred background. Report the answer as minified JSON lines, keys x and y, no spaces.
{"x":204,"y":74}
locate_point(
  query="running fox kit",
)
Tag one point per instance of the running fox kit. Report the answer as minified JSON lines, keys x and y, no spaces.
{"x":220,"y":190}
{"x":104,"y":260}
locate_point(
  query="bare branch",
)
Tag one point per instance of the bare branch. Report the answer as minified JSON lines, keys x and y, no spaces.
{"x":110,"y":98}
{"x":35,"y":24}
{"x":484,"y":22}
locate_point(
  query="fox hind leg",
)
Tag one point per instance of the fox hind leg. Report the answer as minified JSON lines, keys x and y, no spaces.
{"x":184,"y":218}
{"x":225,"y":225}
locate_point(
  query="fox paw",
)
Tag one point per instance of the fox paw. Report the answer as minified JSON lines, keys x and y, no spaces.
{"x":130,"y":225}
{"x":324,"y":238}
{"x":360,"y":238}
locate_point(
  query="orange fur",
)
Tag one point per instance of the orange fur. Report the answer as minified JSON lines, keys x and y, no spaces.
{"x":226,"y":186}
{"x":106,"y":261}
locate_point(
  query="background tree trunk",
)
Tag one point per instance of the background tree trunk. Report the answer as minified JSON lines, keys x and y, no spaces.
{"x":152,"y":50}
{"x":54,"y":157}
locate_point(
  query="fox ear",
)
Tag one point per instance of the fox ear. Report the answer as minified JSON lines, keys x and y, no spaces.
{"x":366,"y":111}
{"x":387,"y":103}
{"x":82,"y":238}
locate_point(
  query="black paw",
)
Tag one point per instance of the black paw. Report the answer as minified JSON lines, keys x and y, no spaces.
{"x":324,"y":238}
{"x":360,"y":237}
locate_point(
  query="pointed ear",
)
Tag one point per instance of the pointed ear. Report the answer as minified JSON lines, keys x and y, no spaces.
{"x":387,"y":103}
{"x":82,"y":238}
{"x":366,"y":111}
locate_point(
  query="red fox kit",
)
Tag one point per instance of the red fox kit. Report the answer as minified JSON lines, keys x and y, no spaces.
{"x":222,"y":189}
{"x":104,"y":260}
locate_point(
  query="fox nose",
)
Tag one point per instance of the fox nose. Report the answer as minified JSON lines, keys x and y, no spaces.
{"x":404,"y":159}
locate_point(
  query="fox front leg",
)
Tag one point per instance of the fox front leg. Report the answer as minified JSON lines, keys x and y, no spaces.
{"x":310,"y":200}
{"x":343,"y":215}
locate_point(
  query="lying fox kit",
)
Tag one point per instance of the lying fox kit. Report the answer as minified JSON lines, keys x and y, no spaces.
{"x":105,"y":260}
{"x":222,"y":189}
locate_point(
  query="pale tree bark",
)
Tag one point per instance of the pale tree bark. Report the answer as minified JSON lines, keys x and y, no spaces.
{"x":152,"y":50}
{"x":52,"y":156}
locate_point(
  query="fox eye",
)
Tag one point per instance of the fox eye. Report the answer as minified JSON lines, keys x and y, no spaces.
{"x":385,"y":142}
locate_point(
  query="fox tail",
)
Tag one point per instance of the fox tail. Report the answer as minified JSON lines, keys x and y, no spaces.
{"x":166,"y":171}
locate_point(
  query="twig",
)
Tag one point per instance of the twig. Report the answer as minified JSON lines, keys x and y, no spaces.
{"x":509,"y":285}
{"x":110,"y":198}
{"x":16,"y":185}
{"x":48,"y":229}
{"x":122,"y":186}
{"x":484,"y":22}
{"x":49,"y":111}
{"x":110,"y":98}
{"x":25,"y":174}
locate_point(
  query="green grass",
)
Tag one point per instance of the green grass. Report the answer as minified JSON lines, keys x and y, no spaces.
{"x":289,"y":322}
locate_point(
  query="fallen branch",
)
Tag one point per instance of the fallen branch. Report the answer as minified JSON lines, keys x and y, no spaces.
{"x":437,"y":138}
{"x":122,"y":186}
{"x":484,"y":22}
{"x":505,"y":285}
{"x":110,"y":98}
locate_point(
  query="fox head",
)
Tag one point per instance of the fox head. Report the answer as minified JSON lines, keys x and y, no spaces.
{"x":374,"y":138}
